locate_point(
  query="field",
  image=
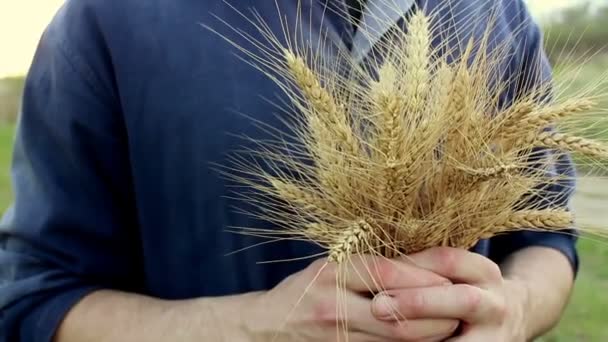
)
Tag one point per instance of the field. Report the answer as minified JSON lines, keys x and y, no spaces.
{"x":585,"y":317}
{"x":6,"y":138}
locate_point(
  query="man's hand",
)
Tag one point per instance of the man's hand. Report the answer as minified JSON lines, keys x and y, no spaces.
{"x":478,"y":297}
{"x":317,"y":317}
{"x":431,"y":293}
{"x":304,"y":307}
{"x":490,"y":306}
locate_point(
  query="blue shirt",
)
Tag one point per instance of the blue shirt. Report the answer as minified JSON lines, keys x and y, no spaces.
{"x":126,"y":106}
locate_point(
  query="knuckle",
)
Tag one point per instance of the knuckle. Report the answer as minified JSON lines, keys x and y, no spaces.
{"x":384,"y":271}
{"x":324,"y":313}
{"x":445,"y":329}
{"x":401,"y":331}
{"x":447,"y":259}
{"x":471,"y":297}
{"x":493,"y":272}
{"x":500,"y":310}
{"x":407,"y":331}
{"x":414,"y":303}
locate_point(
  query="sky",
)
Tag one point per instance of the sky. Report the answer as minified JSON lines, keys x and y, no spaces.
{"x":22,"y":23}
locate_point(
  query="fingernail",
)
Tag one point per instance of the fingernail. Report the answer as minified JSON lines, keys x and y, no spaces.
{"x":384,"y":306}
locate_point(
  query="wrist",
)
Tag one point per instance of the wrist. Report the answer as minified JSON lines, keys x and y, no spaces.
{"x":231,"y":317}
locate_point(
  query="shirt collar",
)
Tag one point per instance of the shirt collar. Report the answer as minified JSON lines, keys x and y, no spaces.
{"x":377,"y":18}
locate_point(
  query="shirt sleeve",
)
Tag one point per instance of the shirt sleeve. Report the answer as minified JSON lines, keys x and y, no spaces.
{"x":535,"y":70}
{"x":72,"y":228}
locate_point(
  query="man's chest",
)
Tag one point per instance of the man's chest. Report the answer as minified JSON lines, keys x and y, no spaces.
{"x":188,"y":97}
{"x":191,"y":92}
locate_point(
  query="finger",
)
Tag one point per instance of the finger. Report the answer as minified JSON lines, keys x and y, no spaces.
{"x":358,"y":315}
{"x":436,"y":339}
{"x":424,"y":329}
{"x":377,"y":274}
{"x":356,"y":312}
{"x":475,"y":335}
{"x":363,"y":337}
{"x":458,"y":265}
{"x":463,"y":302}
{"x":358,"y":337}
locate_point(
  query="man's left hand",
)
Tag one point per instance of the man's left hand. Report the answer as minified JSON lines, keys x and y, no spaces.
{"x":490,"y":307}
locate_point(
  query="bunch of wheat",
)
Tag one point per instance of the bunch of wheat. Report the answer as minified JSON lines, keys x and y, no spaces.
{"x":421,"y":152}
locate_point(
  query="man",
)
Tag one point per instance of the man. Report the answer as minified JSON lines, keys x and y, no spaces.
{"x":117,"y":231}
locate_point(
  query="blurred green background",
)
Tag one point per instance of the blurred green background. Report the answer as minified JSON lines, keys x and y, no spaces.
{"x":579,"y":30}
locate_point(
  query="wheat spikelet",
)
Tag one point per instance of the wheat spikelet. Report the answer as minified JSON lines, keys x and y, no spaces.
{"x":351,"y":239}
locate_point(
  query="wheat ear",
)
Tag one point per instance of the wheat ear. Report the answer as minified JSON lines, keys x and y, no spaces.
{"x":566,"y":143}
{"x":536,"y":219}
{"x":417,"y":61}
{"x":536,"y":120}
{"x":485,"y":174}
{"x":322,"y":102}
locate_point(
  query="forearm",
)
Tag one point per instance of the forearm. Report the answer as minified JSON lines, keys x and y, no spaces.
{"x":547,"y":277}
{"x":108,"y":316}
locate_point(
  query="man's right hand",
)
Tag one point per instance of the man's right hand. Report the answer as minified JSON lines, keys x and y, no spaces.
{"x":307,"y":306}
{"x":302,"y":308}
